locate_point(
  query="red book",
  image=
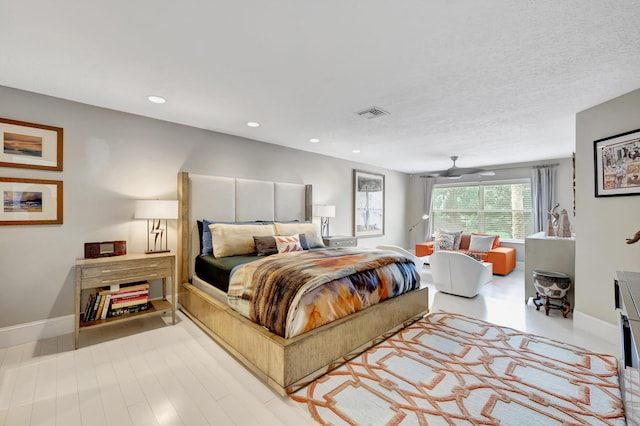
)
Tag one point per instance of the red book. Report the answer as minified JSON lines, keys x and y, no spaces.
{"x":129,"y":294}
{"x":117,"y":304}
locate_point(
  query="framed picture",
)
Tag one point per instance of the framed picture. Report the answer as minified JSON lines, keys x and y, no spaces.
{"x":31,"y":201}
{"x":617,"y":164}
{"x":30,"y":145}
{"x":368,"y":196}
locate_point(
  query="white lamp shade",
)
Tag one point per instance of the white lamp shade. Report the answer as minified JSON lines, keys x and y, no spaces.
{"x":325,"y":211}
{"x":156,"y":209}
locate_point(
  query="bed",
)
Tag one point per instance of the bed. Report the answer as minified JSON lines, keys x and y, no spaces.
{"x":285,"y":364}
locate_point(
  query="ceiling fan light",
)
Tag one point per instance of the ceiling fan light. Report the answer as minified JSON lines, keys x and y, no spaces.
{"x":487,"y":173}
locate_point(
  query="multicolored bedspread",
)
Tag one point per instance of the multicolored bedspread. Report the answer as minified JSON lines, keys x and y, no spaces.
{"x":291,"y":293}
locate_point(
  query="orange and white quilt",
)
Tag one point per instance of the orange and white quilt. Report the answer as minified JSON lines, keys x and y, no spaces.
{"x":291,"y":293}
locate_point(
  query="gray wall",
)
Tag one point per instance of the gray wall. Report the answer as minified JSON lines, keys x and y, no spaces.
{"x":112,"y":159}
{"x":603,"y":223}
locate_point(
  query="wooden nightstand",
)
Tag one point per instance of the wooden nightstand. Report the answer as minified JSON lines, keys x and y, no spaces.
{"x":340,"y":241}
{"x":93,"y":274}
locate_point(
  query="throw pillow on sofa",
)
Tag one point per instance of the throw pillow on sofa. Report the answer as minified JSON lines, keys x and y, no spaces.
{"x":475,"y":256}
{"x":457,"y":236}
{"x":496,"y":239}
{"x":444,"y":242}
{"x":481,"y":243}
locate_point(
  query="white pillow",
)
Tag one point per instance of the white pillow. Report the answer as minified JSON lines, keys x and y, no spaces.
{"x":307,"y":228}
{"x":481,"y":243}
{"x":234,"y":240}
{"x":288,"y":243}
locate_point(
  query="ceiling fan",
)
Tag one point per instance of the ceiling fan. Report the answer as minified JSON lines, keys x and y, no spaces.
{"x":455,"y":172}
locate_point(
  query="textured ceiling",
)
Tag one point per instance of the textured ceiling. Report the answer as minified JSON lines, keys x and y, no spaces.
{"x":491,"y":81}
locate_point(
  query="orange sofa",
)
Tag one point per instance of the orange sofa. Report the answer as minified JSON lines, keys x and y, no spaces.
{"x":503,"y":259}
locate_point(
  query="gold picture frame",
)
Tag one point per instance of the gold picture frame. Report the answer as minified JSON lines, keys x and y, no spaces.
{"x":31,"y":201}
{"x":30,"y":145}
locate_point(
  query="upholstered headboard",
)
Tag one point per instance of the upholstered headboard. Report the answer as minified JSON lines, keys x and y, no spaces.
{"x":232,"y":200}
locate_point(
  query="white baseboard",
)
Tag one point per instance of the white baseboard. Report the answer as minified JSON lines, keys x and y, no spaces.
{"x":37,"y":330}
{"x":592,"y":325}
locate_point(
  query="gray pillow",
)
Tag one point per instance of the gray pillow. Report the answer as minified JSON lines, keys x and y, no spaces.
{"x":265,"y":246}
{"x":481,"y":243}
{"x":303,"y":241}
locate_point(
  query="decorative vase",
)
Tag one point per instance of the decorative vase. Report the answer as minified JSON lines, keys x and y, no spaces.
{"x":550,"y":231}
{"x":551,"y":284}
{"x":564,"y":227}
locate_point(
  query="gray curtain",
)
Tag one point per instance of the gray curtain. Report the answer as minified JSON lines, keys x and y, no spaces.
{"x":543,"y":183}
{"x":429,"y":182}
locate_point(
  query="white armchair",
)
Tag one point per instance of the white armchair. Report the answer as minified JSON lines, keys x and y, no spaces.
{"x":459,"y":274}
{"x":418,"y":261}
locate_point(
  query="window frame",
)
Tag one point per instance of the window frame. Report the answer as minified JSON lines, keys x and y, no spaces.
{"x":481,"y":212}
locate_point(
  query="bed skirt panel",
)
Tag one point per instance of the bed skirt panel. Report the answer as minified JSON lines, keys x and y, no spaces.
{"x":288,"y":364}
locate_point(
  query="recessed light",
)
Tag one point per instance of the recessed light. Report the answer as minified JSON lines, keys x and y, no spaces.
{"x":156,"y":99}
{"x":356,"y":151}
{"x":314,"y":140}
{"x":253,"y":124}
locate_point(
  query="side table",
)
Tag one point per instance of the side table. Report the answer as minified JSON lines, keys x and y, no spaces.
{"x":92,"y":274}
{"x":340,"y":241}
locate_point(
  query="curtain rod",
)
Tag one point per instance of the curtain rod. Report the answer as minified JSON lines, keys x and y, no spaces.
{"x":535,"y":166}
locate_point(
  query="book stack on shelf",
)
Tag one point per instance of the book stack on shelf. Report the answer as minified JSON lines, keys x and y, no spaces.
{"x":109,"y":302}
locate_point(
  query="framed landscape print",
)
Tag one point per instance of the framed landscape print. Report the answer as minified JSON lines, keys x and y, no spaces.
{"x":30,"y":145}
{"x":368,"y":195}
{"x":617,"y":164}
{"x":31,"y":201}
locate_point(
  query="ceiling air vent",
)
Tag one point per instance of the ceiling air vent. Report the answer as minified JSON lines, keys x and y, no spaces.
{"x":372,"y":112}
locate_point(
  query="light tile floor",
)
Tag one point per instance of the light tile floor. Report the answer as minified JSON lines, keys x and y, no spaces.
{"x":146,"y":373}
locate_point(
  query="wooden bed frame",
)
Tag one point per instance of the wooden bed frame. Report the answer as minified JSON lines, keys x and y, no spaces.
{"x":284,"y":364}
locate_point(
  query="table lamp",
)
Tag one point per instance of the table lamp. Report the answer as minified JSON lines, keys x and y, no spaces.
{"x":325,"y":212}
{"x":156,"y":211}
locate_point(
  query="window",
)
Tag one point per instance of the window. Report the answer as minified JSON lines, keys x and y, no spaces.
{"x":503,"y":208}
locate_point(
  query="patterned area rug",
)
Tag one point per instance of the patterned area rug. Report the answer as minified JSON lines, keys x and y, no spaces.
{"x":449,"y":369}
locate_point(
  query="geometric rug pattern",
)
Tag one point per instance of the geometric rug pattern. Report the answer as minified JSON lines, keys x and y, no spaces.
{"x":449,"y":369}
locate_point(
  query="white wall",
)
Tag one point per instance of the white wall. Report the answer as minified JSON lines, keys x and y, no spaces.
{"x":603,"y":223}
{"x":113,"y":158}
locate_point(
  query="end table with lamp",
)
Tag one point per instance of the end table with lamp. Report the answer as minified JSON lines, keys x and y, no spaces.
{"x":112,"y":276}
